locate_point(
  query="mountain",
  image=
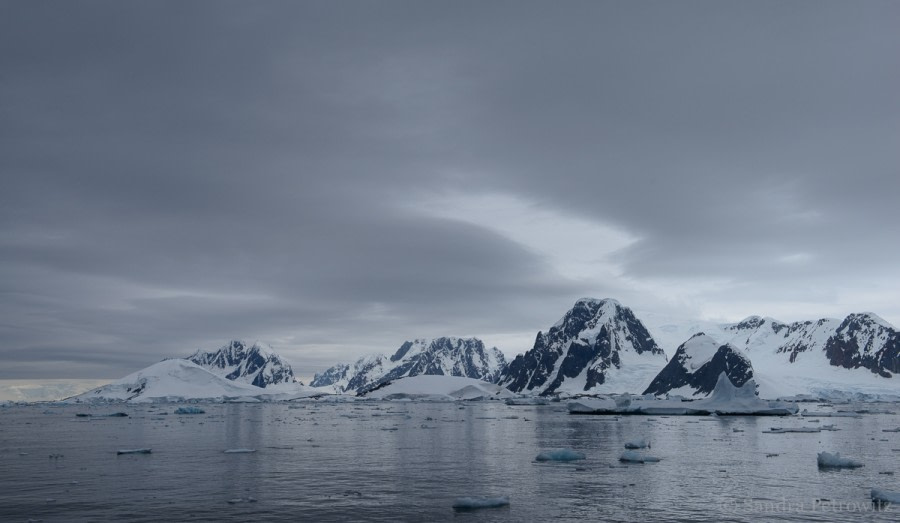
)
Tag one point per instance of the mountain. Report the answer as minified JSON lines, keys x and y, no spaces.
{"x":865,"y":341}
{"x":256,"y":364}
{"x":860,"y":341}
{"x":466,"y":357}
{"x":857,"y":356}
{"x":169,"y":380}
{"x":598,"y":345}
{"x":696,"y":366}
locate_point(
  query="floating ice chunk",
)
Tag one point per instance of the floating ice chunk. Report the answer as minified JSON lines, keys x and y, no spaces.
{"x":891,"y":430}
{"x":239,"y":451}
{"x":885,"y":496}
{"x":781,"y":430}
{"x":527,"y":401}
{"x":829,"y":460}
{"x":632,"y":456}
{"x":477,"y":503}
{"x":560,"y":455}
{"x":134,"y":451}
{"x":189,"y":410}
{"x":117,"y":415}
{"x":637,"y":444}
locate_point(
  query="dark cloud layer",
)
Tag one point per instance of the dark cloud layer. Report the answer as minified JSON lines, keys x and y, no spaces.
{"x":178,"y":173}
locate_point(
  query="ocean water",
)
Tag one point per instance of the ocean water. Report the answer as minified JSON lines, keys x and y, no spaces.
{"x":381,"y":461}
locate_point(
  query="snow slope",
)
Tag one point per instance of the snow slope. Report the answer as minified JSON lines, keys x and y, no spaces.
{"x":169,"y":380}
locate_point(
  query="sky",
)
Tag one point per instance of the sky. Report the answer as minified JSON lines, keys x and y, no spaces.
{"x":333,"y":178}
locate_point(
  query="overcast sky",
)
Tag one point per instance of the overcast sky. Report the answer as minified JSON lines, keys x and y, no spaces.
{"x":334,"y":178}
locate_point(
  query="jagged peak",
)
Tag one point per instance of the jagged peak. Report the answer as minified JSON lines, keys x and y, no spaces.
{"x":605,"y":307}
{"x":868,"y":317}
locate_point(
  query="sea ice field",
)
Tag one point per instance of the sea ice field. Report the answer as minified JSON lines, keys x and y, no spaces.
{"x":318,"y":460}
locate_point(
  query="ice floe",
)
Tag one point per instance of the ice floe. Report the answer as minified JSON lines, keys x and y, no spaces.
{"x":560,"y":455}
{"x":637,"y":444}
{"x":189,"y":410}
{"x":829,"y":460}
{"x":134,"y":451}
{"x":885,"y":496}
{"x":633,"y":456}
{"x":240,"y":451}
{"x":785,"y":430}
{"x":463,"y":504}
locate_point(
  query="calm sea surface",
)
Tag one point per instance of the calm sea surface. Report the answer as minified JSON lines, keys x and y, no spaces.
{"x":409,"y":461}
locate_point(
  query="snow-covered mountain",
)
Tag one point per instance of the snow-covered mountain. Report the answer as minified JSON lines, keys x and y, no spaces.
{"x":598,"y":346}
{"x":466,"y":357}
{"x":169,"y":380}
{"x":180,"y":380}
{"x":857,"y":355}
{"x":256,"y":364}
{"x":696,"y":366}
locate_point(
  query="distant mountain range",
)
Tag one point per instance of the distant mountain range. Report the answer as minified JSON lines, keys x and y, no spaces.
{"x":599,"y":346}
{"x":464,"y":357}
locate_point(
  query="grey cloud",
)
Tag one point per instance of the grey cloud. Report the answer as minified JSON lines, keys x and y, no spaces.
{"x":176,"y":173}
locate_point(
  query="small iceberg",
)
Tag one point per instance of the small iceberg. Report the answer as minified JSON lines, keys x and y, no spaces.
{"x":189,"y":410}
{"x":637,"y":444}
{"x":885,"y":496}
{"x":134,"y":451}
{"x":631,"y":456}
{"x":891,"y":430}
{"x":462,"y":504}
{"x":829,"y":460}
{"x":560,"y":455}
{"x":239,"y":451}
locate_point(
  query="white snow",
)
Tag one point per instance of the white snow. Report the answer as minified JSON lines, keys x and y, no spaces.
{"x":829,"y":460}
{"x":440,"y":388}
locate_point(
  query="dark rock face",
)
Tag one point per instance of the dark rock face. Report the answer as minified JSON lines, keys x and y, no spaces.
{"x":589,"y":339}
{"x":862,"y":340}
{"x":466,"y":357}
{"x":693,"y":367}
{"x":256,"y":365}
